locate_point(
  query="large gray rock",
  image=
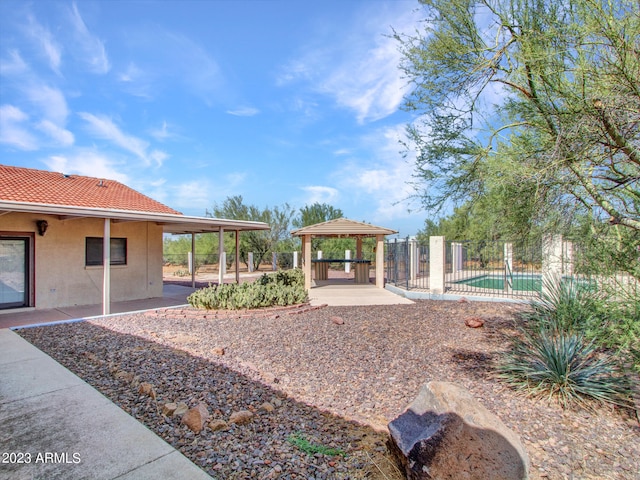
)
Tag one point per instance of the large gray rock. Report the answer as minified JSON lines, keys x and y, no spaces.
{"x":446,"y":434}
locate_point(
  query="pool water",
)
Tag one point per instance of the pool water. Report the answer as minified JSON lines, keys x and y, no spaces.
{"x":529,"y":283}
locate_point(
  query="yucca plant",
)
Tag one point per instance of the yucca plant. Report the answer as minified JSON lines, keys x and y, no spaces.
{"x":563,"y":365}
{"x":567,"y":303}
{"x":554,"y":356}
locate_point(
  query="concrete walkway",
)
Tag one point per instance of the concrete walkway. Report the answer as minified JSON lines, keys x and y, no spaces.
{"x":336,"y":292}
{"x":60,"y":427}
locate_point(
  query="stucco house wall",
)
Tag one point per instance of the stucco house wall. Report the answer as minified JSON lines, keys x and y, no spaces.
{"x":61,"y":277}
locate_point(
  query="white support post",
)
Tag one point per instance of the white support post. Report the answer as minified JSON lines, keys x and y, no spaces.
{"x":380,"y":261}
{"x":457,"y":259}
{"x":192,"y":261}
{"x":319,"y":254}
{"x":567,"y":258}
{"x":437,"y":265}
{"x":307,"y":261}
{"x":508,"y":268}
{"x":237,"y":259}
{"x":551,"y":260}
{"x":295,"y":259}
{"x":347,"y":265}
{"x":250,"y":261}
{"x":222,"y":260}
{"x":106,"y":264}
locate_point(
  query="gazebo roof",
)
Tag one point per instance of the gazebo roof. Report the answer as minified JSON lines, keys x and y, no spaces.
{"x":342,"y":227}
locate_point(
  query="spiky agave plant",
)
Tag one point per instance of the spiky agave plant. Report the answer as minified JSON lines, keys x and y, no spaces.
{"x":560,"y":363}
{"x":567,"y":303}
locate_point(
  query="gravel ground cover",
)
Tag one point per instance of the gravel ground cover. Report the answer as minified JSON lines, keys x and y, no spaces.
{"x":322,"y":384}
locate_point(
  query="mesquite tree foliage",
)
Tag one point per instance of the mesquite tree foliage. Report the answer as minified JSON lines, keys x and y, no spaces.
{"x":528,"y":99}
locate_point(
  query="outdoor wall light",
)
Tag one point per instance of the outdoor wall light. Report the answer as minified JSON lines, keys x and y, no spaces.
{"x":42,"y":227}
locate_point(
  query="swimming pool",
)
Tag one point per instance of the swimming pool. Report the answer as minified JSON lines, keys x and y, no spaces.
{"x":521,"y":283}
{"x":524,"y":282}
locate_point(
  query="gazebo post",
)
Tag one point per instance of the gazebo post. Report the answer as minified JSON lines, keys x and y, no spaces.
{"x":237,"y":259}
{"x":359,"y":247}
{"x":306,"y":249}
{"x":380,"y":261}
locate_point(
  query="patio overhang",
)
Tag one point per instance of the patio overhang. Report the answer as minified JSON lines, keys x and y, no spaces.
{"x":170,"y":223}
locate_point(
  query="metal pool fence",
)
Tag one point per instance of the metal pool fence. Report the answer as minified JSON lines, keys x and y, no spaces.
{"x":486,"y":268}
{"x":502,"y":269}
{"x":494,"y":268}
{"x":407,"y":264}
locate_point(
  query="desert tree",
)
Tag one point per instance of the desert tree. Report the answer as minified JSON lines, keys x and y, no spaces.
{"x":528,"y":99}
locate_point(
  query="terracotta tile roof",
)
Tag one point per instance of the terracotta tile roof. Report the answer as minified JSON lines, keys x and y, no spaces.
{"x":39,"y":186}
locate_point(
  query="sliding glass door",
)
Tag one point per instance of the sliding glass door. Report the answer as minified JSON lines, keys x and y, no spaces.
{"x":14,"y":272}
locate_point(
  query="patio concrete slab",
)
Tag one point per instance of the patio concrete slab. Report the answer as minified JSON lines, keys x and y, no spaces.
{"x":64,"y":428}
{"x":173,"y":295}
{"x":346,"y":293}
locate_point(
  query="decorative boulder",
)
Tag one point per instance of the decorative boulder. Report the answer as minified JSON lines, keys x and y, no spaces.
{"x":446,"y":433}
{"x":196,"y":417}
{"x":474,"y":322}
{"x":241,"y":418}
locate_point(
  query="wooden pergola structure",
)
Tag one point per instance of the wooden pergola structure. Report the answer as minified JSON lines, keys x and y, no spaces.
{"x":343,"y":228}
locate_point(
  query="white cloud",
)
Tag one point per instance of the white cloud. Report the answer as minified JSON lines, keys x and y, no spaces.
{"x":158,"y":157}
{"x":50,"y":47}
{"x":50,"y":101}
{"x":234,"y":179}
{"x":358,"y":67}
{"x":377,"y":89}
{"x":163,"y":133}
{"x":12,"y":129}
{"x":104,"y":127}
{"x":44,"y":102}
{"x":190,"y":195}
{"x":320,"y":194}
{"x":90,"y":48}
{"x":136,"y":81}
{"x":87,"y":162}
{"x":60,"y":136}
{"x":244,"y":112}
{"x":381,"y":178}
{"x":196,"y":196}
{"x":14,"y":65}
{"x":131,"y":74}
{"x":342,"y":151}
{"x":165,"y":58}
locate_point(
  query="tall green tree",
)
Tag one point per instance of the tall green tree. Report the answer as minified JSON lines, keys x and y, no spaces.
{"x":260,"y":242}
{"x":319,"y":213}
{"x":316,"y":213}
{"x":528,"y":99}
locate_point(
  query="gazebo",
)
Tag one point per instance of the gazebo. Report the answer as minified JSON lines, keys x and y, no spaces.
{"x":344,"y":228}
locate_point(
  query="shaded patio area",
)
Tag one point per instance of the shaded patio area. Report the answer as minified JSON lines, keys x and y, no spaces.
{"x":172,"y":295}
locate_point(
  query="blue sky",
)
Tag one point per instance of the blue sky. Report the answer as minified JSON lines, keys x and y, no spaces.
{"x":191,"y":102}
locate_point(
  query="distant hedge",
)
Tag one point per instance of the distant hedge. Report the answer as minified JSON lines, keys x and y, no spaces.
{"x":280,"y":288}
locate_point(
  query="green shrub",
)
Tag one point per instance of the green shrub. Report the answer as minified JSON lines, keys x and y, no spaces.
{"x":282,"y":288}
{"x":569,"y":304}
{"x":559,"y":350}
{"x":564,"y":365}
